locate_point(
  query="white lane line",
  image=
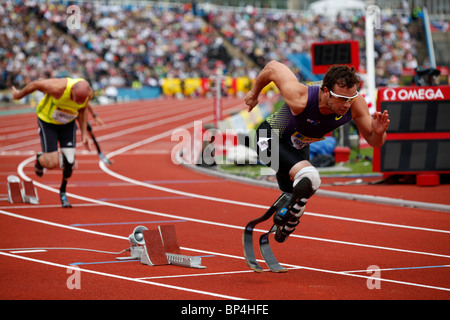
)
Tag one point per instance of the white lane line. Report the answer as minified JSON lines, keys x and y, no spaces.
{"x":28,"y":251}
{"x":221,"y":224}
{"x":194,"y":195}
{"x":215,"y":253}
{"x":221,"y":200}
{"x":110,"y":275}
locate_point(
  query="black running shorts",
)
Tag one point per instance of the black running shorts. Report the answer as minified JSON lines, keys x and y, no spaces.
{"x":288,"y":155}
{"x":51,"y":134}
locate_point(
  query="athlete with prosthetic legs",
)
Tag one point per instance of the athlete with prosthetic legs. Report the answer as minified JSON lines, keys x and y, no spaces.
{"x":309,"y":113}
{"x":65,"y":101}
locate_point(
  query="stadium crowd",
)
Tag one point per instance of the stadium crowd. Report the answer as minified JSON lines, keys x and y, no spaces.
{"x":119,"y":45}
{"x":266,"y":36}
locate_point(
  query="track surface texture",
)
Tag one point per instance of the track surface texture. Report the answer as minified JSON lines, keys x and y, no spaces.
{"x":342,"y":249}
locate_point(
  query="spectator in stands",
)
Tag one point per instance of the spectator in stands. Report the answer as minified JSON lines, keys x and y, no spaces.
{"x":120,"y":43}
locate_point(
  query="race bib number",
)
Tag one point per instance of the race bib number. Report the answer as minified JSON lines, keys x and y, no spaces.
{"x":263,"y":143}
{"x":299,"y":141}
{"x":63,"y":115}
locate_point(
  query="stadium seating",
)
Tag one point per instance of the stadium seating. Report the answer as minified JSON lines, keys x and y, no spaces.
{"x":118,"y":45}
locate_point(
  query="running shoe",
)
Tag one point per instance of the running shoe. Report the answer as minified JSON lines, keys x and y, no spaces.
{"x":38,"y":169}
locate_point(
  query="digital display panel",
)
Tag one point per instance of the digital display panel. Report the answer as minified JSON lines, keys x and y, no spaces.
{"x":327,"y":54}
{"x":418,"y":137}
{"x":333,"y":54}
{"x":415,"y":155}
{"x":418,"y":116}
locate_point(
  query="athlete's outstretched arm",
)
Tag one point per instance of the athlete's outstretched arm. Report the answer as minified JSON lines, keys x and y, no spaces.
{"x":54,"y":87}
{"x":82,"y":121}
{"x":285,"y":80}
{"x":372,"y":128}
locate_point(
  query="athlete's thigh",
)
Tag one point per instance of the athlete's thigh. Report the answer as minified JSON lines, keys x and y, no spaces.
{"x":67,"y":135}
{"x":49,"y":136}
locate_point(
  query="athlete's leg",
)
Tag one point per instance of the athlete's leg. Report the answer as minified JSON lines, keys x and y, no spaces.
{"x":67,"y":141}
{"x":38,"y":168}
{"x":306,"y":182}
{"x":283,"y":232}
{"x":295,"y":175}
{"x":48,"y":158}
{"x":67,"y":161}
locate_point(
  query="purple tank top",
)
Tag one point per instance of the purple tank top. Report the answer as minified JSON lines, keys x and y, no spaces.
{"x":310,"y":125}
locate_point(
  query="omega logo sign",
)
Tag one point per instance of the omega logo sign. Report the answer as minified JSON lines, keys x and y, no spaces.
{"x":391,"y":94}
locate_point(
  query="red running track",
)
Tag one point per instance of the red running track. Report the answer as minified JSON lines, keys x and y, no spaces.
{"x":328,"y":256}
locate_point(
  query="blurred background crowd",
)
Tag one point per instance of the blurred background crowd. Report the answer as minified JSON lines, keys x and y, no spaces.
{"x":124,"y":45}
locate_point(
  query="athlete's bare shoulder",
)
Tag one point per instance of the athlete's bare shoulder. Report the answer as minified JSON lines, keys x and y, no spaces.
{"x":53,"y":86}
{"x":296,"y":97}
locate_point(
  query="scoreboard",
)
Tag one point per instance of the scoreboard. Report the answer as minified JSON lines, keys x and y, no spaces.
{"x":329,"y":53}
{"x":418,"y":137}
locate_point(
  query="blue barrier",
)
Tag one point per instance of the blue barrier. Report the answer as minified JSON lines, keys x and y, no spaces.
{"x":126,"y":94}
{"x":325,"y":146}
{"x":303,"y":62}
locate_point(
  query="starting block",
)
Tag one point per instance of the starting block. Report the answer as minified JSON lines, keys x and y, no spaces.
{"x":153,"y":253}
{"x":29,"y":193}
{"x":169,"y":238}
{"x":161,"y":248}
{"x":21,"y":192}
{"x":14,"y":189}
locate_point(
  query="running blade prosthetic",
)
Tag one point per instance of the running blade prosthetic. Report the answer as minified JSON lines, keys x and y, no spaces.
{"x":264,"y":244}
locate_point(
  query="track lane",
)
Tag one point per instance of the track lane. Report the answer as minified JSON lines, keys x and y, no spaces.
{"x":218,"y":244}
{"x":223,"y":212}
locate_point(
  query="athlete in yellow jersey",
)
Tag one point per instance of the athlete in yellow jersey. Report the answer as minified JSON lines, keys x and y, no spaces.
{"x":65,"y":100}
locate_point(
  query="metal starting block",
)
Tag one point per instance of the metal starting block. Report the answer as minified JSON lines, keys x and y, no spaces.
{"x":153,"y":253}
{"x":21,"y":192}
{"x":185,"y":261}
{"x":161,"y":248}
{"x":29,"y":193}
{"x":14,"y":189}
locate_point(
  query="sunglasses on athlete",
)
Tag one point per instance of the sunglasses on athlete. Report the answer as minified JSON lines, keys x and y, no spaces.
{"x":344,"y":99}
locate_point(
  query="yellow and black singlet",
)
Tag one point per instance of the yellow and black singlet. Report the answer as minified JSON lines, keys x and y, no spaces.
{"x":62,"y":110}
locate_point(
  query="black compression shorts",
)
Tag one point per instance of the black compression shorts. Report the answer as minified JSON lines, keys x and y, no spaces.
{"x":51,"y":134}
{"x":288,"y":155}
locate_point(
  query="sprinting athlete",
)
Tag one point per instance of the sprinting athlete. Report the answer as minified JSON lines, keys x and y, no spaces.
{"x":309,"y":113}
{"x":65,"y":100}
